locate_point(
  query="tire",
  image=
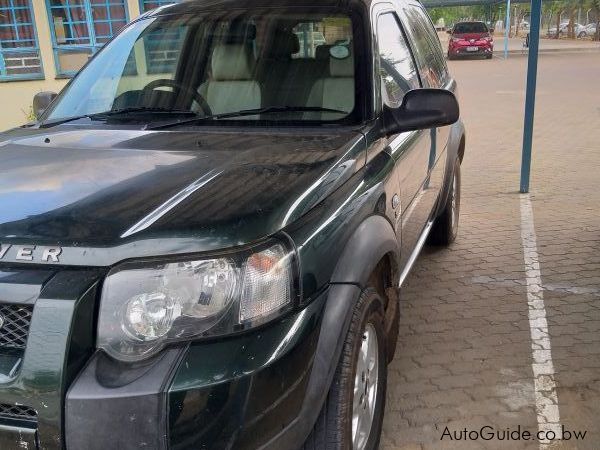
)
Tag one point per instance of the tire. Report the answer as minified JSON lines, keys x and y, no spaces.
{"x":582,"y":35}
{"x":334,"y":427}
{"x":392,"y":331}
{"x":490,"y":56}
{"x":450,"y":57}
{"x":445,"y":228}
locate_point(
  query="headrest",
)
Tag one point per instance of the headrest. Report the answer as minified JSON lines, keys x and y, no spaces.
{"x":341,"y":68}
{"x":285,"y":44}
{"x":232,"y":62}
{"x":236,"y":32}
{"x":322,"y":52}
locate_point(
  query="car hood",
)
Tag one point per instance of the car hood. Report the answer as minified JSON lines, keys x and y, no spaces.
{"x":103,"y":188}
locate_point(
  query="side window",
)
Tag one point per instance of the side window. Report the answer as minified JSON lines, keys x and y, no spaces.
{"x":428,"y":49}
{"x":397,"y":68}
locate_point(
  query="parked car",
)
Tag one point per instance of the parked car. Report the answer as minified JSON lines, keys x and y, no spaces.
{"x":204,"y":249}
{"x":564,"y":29}
{"x":470,"y":39}
{"x":588,"y":31}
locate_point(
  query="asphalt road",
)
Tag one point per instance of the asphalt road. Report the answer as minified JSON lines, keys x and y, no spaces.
{"x":503,"y":329}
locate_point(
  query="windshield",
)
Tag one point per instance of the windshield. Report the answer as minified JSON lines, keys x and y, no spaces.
{"x":470,"y":27}
{"x":286,"y":66}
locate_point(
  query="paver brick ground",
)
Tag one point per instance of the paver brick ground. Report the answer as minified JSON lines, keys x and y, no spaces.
{"x":464,"y":355}
{"x":515,"y":44}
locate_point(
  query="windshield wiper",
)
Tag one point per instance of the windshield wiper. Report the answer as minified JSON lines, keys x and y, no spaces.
{"x":116,"y":112}
{"x":247,"y":112}
{"x":140,"y":109}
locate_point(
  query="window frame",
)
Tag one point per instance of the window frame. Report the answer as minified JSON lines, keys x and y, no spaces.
{"x":4,"y":76}
{"x":93,"y":45}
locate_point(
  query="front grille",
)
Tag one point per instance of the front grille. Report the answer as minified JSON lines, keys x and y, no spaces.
{"x":21,"y":412}
{"x":15,"y":320}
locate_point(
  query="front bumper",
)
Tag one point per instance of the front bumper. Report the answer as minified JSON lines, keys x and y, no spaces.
{"x":233,"y":393}
{"x":245,"y":391}
{"x":262,"y":389}
{"x":460,"y":51}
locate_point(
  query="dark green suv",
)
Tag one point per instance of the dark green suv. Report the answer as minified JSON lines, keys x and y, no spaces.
{"x":203,"y":237}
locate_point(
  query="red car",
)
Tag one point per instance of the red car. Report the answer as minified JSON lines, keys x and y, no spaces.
{"x":470,"y":39}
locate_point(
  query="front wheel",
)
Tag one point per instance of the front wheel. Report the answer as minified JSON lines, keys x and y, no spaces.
{"x":445,"y":228}
{"x":352,"y":416}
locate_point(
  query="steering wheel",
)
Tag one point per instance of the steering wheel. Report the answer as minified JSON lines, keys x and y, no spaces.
{"x":180,"y":87}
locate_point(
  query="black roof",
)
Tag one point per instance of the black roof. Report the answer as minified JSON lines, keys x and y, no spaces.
{"x":191,"y":6}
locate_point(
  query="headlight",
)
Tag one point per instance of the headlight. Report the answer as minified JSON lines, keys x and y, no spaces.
{"x":147,"y":305}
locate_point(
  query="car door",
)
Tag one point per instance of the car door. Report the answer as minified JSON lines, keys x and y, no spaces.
{"x":434,"y":74}
{"x":410,"y":150}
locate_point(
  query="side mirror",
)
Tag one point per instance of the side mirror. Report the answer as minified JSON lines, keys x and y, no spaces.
{"x":422,"y":109}
{"x":449,"y":31}
{"x":41,"y":101}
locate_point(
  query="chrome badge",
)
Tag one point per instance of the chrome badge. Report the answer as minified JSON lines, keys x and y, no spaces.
{"x":29,"y":253}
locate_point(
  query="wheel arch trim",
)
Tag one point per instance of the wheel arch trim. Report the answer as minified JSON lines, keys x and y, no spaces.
{"x":456,"y":149}
{"x":373,"y":240}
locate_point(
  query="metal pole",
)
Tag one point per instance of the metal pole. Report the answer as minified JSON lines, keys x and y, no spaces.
{"x":534,"y":41}
{"x":507,"y":29}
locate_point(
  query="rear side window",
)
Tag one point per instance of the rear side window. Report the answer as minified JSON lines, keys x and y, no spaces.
{"x":398,"y":72}
{"x":427,"y":47}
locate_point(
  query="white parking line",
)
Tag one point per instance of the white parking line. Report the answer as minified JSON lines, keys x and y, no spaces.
{"x":546,"y":399}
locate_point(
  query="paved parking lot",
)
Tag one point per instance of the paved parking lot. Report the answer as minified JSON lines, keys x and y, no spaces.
{"x":515,"y":44}
{"x":470,"y":337}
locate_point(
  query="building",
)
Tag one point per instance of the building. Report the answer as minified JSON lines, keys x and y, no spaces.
{"x":43,"y":43}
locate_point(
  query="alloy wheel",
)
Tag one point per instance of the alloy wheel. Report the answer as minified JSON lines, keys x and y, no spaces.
{"x":365,"y":388}
{"x":454,"y":204}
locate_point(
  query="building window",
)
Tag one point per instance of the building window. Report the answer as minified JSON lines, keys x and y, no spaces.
{"x":162,"y":49}
{"x":82,"y":27}
{"x":19,"y":51}
{"x":147,"y":5}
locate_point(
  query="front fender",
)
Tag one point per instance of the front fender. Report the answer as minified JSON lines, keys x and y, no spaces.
{"x":334,"y":326}
{"x":370,"y":243}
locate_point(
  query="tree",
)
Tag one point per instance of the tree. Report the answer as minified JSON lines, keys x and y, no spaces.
{"x":559,"y":8}
{"x":594,"y":5}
